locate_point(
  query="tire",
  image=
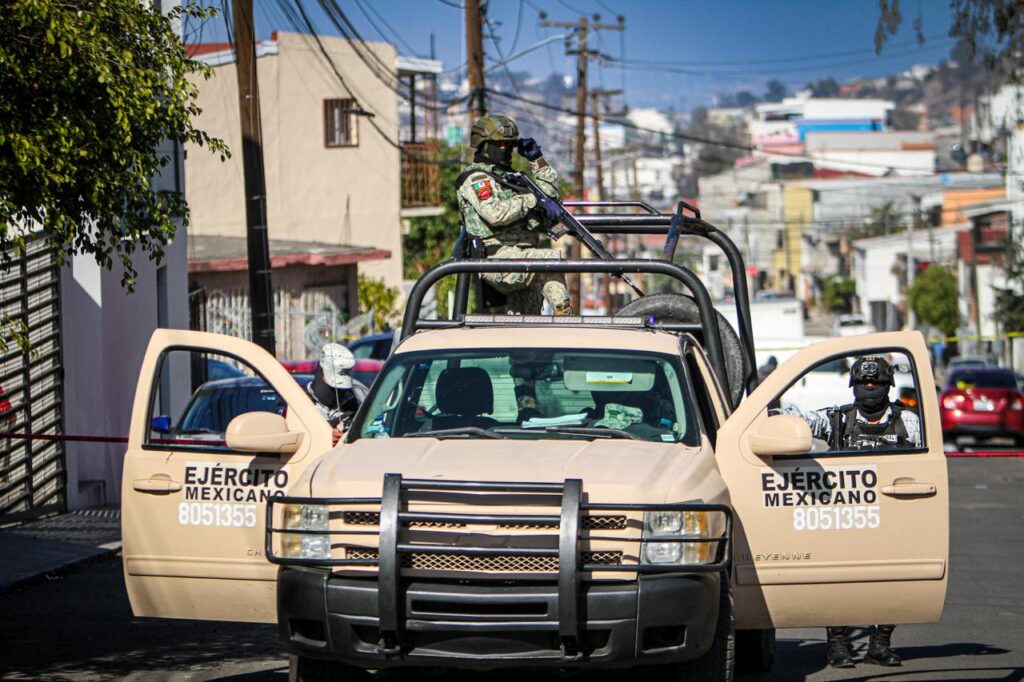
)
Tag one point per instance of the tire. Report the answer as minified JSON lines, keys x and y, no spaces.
{"x":682,"y":308}
{"x":302,"y":669}
{"x":719,"y":663}
{"x":755,"y":650}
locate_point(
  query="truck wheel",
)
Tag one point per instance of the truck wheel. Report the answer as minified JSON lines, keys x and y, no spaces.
{"x":682,"y":308}
{"x":755,"y":650}
{"x":719,"y":663}
{"x":302,"y":669}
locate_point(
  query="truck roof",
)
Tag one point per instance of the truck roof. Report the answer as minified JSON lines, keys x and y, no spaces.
{"x":543,"y":336}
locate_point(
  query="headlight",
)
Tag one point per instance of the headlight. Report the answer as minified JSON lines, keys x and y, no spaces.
{"x":689,"y":524}
{"x":302,"y":545}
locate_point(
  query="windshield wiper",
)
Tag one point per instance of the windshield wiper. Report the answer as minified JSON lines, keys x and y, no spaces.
{"x":455,"y":432}
{"x":599,"y":431}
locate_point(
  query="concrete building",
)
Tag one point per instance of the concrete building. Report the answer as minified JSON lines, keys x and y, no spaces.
{"x":880,"y":270}
{"x":333,"y":172}
{"x":104,"y":332}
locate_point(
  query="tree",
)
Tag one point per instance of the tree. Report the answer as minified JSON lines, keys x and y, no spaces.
{"x":377,"y":296}
{"x":991,"y":30}
{"x":933,"y":297}
{"x":827,"y":87}
{"x":882,"y":220}
{"x":837,"y":295}
{"x":745,"y":98}
{"x":776,"y":90}
{"x":90,"y":92}
{"x":1009,"y":303}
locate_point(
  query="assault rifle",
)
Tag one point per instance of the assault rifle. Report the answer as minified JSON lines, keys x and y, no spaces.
{"x":570,"y":225}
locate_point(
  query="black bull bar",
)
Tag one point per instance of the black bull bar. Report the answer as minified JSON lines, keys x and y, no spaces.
{"x":568,"y":495}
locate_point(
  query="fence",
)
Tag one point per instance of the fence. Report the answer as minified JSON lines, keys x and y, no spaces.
{"x":301,"y":326}
{"x":32,"y":472}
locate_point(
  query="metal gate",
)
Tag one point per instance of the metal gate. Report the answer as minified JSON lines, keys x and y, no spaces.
{"x":33,"y":479}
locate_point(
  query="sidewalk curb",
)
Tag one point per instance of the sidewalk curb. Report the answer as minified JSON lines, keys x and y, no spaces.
{"x":102,"y":553}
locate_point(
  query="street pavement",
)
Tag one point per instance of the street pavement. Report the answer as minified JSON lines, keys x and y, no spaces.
{"x":78,"y":625}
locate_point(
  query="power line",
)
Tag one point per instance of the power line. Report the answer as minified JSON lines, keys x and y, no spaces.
{"x":787,"y":60}
{"x":641,"y":65}
{"x":708,"y":141}
{"x":363,"y":9}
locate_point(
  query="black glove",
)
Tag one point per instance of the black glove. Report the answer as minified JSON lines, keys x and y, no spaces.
{"x":551,"y":208}
{"x":529,"y":149}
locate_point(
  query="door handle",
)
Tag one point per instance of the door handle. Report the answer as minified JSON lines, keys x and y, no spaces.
{"x":909,"y":489}
{"x":156,"y":485}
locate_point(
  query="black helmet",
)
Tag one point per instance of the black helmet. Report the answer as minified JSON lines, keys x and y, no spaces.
{"x":871,"y":368}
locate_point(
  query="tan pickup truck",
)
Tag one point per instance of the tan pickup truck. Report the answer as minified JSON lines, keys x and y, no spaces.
{"x":517,"y":491}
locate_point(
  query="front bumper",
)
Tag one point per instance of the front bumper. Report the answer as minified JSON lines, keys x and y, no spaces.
{"x":380,"y":621}
{"x":481,"y":626}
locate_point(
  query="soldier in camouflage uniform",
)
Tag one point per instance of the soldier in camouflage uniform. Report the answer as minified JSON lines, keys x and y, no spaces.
{"x":508,"y":221}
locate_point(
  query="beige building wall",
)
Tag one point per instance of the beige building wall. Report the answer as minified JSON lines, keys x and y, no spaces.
{"x":338,"y":195}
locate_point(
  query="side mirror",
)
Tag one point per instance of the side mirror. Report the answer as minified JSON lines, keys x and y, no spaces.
{"x":161,"y":424}
{"x":781,"y":434}
{"x":261,"y":432}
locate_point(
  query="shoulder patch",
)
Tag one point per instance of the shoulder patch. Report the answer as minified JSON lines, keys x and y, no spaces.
{"x":482,"y":187}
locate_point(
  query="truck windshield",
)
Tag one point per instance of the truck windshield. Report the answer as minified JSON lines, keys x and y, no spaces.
{"x":531,"y":393}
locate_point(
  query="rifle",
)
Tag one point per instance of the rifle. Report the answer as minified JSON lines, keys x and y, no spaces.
{"x":570,"y":224}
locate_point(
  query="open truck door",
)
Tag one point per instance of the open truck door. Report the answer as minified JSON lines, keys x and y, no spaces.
{"x":218,"y":427}
{"x":830,"y":533}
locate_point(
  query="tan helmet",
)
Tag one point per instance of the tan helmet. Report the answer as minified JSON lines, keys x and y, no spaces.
{"x":493,"y":128}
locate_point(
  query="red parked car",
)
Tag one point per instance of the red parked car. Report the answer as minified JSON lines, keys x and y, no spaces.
{"x":984,"y":402}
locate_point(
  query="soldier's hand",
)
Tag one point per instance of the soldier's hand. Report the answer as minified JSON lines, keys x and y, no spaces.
{"x":529,"y":149}
{"x":551,"y":208}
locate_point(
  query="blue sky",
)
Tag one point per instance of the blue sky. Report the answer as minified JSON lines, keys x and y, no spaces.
{"x":679,"y":53}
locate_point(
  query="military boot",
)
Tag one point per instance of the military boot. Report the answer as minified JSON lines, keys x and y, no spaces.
{"x":839,"y":654}
{"x":879,"y":651}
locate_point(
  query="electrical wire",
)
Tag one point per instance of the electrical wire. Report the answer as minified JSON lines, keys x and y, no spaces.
{"x":705,"y":140}
{"x":398,"y":37}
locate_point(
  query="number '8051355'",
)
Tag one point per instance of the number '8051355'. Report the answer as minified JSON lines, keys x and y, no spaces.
{"x":836,"y":518}
{"x":217,"y":514}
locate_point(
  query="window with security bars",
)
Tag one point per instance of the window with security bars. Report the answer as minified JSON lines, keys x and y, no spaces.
{"x":340,"y":123}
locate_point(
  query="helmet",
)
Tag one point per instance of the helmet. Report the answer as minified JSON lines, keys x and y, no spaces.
{"x":873,"y":368}
{"x":493,"y":128}
{"x":336,"y":363}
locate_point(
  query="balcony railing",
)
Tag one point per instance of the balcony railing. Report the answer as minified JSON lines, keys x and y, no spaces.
{"x":421,"y":176}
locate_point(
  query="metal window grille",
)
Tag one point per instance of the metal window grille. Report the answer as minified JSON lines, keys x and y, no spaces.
{"x":340,"y":123}
{"x":32,"y":472}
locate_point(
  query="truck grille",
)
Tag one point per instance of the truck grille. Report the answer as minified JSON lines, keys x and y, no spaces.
{"x":366,"y":518}
{"x":506,"y":563}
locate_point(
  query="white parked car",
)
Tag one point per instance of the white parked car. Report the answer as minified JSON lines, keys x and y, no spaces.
{"x":851,"y":325}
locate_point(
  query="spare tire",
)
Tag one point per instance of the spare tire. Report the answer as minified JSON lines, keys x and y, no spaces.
{"x":683,"y":309}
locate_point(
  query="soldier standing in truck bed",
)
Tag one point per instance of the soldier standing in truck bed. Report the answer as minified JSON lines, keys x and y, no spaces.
{"x":508,"y":220}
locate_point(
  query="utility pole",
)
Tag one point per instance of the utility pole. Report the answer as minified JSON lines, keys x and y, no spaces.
{"x":582,"y":27}
{"x":261,"y":289}
{"x":475,"y":59}
{"x":911,"y":263}
{"x":595,"y":120}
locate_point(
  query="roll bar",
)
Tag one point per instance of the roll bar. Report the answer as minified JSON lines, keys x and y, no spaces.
{"x":712,"y":340}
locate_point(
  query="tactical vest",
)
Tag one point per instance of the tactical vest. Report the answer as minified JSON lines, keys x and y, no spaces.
{"x":519,"y":233}
{"x":850,"y":433}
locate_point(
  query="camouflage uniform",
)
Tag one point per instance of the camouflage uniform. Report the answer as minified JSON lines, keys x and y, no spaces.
{"x":502,"y":217}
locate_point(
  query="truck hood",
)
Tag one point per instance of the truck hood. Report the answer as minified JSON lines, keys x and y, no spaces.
{"x":612,"y":470}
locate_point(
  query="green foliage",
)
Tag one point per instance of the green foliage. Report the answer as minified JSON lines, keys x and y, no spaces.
{"x":1009,"y":303}
{"x":90,"y":91}
{"x":933,"y":297}
{"x":431,"y":239}
{"x":990,"y":31}
{"x":826,"y":87}
{"x":377,"y":296}
{"x":837,"y":294}
{"x":882,"y":220}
